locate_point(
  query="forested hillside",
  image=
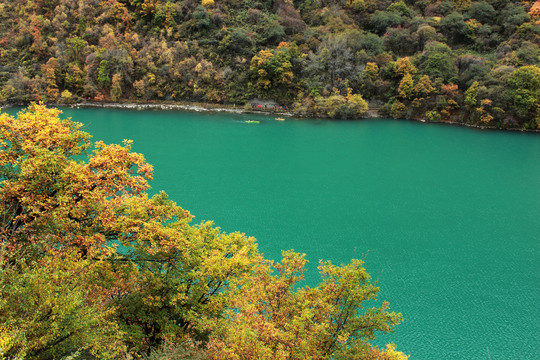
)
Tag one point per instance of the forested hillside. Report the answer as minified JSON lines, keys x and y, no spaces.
{"x":461,"y":60}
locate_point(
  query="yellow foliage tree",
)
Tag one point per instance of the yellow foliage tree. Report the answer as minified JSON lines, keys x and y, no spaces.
{"x":116,"y":87}
{"x":424,"y":87}
{"x":50,"y":70}
{"x":406,"y":87}
{"x":207,"y":3}
{"x":271,"y":319}
{"x":404,"y":66}
{"x":372,"y":71}
{"x":67,"y":96}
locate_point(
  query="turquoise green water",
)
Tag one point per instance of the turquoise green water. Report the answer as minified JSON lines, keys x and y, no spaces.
{"x":447,"y":218}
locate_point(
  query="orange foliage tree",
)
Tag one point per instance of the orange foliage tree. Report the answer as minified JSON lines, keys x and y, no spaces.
{"x":269,"y":318}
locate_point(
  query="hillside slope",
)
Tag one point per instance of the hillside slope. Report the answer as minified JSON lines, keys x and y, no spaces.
{"x":465,"y":61}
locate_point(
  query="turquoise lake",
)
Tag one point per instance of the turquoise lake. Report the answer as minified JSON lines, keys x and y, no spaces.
{"x":446,"y":218}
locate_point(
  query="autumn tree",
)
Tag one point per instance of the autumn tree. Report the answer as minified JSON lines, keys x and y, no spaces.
{"x":404,"y":66}
{"x":271,"y":317}
{"x":272,"y":71}
{"x":406,"y":87}
{"x":74,"y":78}
{"x":471,"y":95}
{"x":47,"y":310}
{"x":116,"y":87}
{"x":50,"y":71}
{"x":52,"y":201}
{"x":371,"y":71}
{"x":424,"y":87}
{"x":76,"y":45}
{"x":535,"y":11}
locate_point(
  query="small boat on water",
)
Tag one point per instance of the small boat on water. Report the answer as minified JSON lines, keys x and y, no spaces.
{"x":252,"y":121}
{"x":280,"y":119}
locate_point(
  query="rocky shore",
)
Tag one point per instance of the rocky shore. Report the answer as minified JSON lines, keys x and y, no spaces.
{"x":371,"y":113}
{"x":147,"y":106}
{"x":198,"y":107}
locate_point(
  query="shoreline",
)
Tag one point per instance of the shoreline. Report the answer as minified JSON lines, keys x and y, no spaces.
{"x":164,"y":106}
{"x":208,"y":107}
{"x":196,"y":107}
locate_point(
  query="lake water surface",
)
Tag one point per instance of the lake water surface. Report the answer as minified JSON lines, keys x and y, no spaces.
{"x":447,"y":218}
